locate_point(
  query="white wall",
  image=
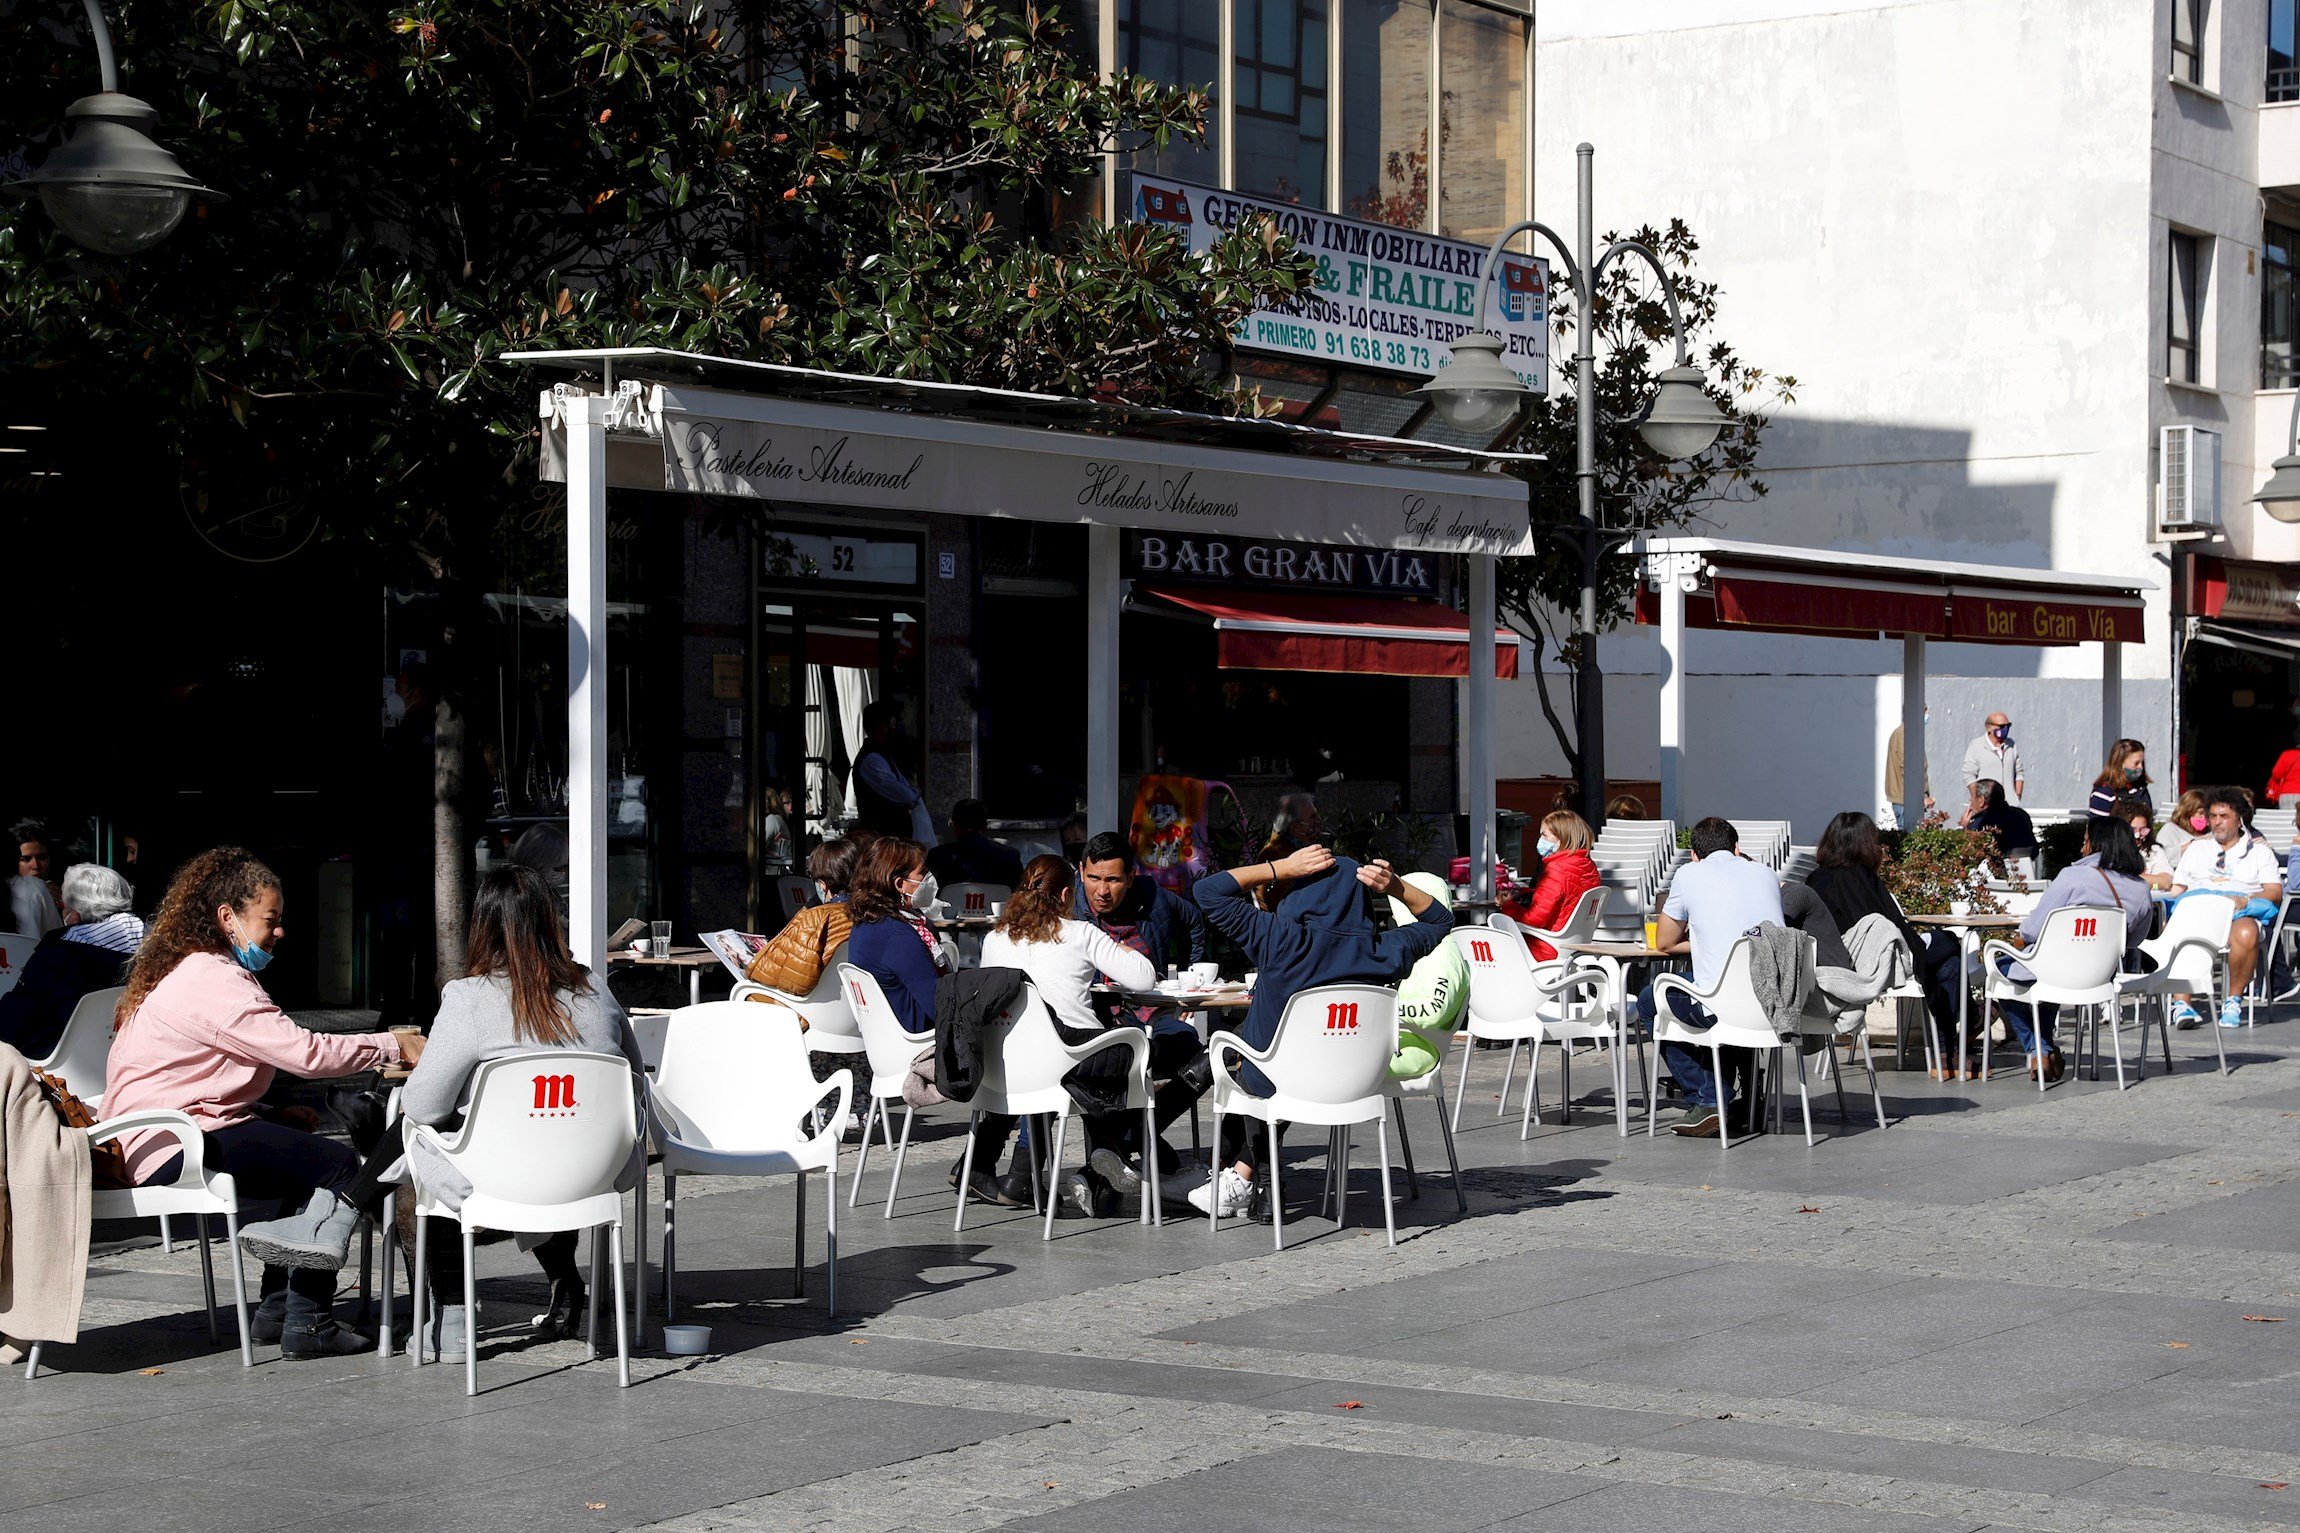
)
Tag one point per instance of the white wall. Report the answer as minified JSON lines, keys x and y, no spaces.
{"x":1943,"y":217}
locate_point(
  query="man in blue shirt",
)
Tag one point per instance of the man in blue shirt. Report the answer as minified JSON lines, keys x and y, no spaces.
{"x":884,"y":797}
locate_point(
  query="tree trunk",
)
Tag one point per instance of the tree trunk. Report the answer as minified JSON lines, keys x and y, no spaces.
{"x":451,"y":876}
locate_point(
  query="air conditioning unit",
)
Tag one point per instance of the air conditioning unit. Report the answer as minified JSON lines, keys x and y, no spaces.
{"x":2187,"y":480}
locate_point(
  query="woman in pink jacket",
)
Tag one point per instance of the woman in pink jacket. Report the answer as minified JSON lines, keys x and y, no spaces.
{"x":197,"y":1034}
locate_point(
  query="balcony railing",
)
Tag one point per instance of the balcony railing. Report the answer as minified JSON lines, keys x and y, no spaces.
{"x":2284,"y":84}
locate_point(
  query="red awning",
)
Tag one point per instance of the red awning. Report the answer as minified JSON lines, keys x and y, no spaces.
{"x":1367,"y":635}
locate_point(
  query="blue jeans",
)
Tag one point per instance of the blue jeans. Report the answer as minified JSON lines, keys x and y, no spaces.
{"x":1688,"y":1065}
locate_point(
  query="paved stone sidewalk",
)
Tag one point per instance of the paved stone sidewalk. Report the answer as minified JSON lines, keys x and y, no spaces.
{"x":2073,"y":1311}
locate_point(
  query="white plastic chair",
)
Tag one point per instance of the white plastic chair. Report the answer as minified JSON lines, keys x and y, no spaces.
{"x":2074,"y":961}
{"x":2191,"y":956}
{"x":1432,"y":1088}
{"x":727,"y":1100}
{"x":830,"y":1020}
{"x":1511,"y":998}
{"x":83,"y":1053}
{"x":1329,"y":1065}
{"x":15,"y":952}
{"x":1848,"y":1028}
{"x":196,"y":1191}
{"x":796,"y":894}
{"x":972,"y":902}
{"x":1023,"y":1062}
{"x":890,"y":1051}
{"x":1741,"y":1023}
{"x":544,"y":1138}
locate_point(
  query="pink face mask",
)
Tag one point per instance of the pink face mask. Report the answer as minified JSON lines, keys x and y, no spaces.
{"x":2197,"y":822}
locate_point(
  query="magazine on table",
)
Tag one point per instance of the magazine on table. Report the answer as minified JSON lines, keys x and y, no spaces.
{"x":735,"y":949}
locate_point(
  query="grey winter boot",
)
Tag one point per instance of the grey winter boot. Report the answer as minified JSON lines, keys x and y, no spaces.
{"x":316,"y":1239}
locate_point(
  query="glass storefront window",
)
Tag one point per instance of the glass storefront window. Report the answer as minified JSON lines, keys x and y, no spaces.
{"x":2279,"y":255}
{"x":1280,"y":80}
{"x":1175,"y":42}
{"x":1386,"y":111}
{"x":1481,"y":180}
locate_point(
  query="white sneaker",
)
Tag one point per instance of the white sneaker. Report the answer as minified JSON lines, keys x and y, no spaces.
{"x":2185,"y":1016}
{"x":1225,"y":1196}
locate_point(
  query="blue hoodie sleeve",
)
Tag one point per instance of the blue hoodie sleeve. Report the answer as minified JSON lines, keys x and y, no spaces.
{"x":1409,"y":944}
{"x":1234,"y":915}
{"x":1192,"y":921}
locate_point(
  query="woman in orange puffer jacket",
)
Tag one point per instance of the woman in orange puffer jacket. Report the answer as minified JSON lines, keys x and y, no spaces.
{"x":793,"y":962}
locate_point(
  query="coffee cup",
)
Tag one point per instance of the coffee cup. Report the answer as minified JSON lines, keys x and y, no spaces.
{"x":1206,"y":973}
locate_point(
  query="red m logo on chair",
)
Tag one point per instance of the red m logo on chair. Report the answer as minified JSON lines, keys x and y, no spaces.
{"x":976,"y":901}
{"x":1480,"y":950}
{"x":554,"y":1093}
{"x":2088,"y":926}
{"x":1341,"y":1015}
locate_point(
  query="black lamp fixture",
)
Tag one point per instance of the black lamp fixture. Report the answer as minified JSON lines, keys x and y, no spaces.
{"x":109,"y":187}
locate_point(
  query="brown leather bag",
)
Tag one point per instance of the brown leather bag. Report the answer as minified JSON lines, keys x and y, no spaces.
{"x":107,"y":1163}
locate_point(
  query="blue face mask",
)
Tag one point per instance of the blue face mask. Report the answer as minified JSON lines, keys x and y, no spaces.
{"x":1547,"y":846}
{"x":251,"y":957}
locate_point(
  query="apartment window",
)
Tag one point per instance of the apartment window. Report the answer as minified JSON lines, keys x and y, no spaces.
{"x":2279,"y":255}
{"x":2184,"y":317}
{"x":1386,"y":68}
{"x":1173,"y":43}
{"x":1280,"y":80}
{"x":1481,"y":126}
{"x":2188,"y":40}
{"x":2283,"y":52}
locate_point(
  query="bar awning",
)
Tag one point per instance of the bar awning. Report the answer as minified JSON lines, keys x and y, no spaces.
{"x":1769,"y":588}
{"x":1364,"y":635}
{"x":2276,"y":644}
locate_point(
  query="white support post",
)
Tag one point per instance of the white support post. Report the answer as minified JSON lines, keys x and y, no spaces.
{"x":1103,"y":595}
{"x":586,"y":421}
{"x":1672,"y":724}
{"x":1912,"y":729}
{"x":1477,"y":719}
{"x":2112,"y":697}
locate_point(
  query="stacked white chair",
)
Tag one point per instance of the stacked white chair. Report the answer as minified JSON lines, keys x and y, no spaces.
{"x":729,"y":1098}
{"x":1329,"y":1065}
{"x":889,"y":1050}
{"x":2191,"y":956}
{"x":1023,"y":1062}
{"x":1798,"y":864}
{"x":1511,"y":998}
{"x":1634,"y":859}
{"x":1765,"y":841}
{"x":1741,"y":1023}
{"x":2280,"y":826}
{"x":2074,"y":960}
{"x":542,"y":1143}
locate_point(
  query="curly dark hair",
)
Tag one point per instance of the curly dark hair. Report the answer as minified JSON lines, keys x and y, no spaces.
{"x":186,"y":920}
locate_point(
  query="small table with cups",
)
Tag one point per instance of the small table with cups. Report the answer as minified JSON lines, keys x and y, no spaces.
{"x":1968,"y":928}
{"x":693,"y":959}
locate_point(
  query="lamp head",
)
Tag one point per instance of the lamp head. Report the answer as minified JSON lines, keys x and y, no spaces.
{"x":108,"y":186}
{"x":2280,"y":496}
{"x":1683,"y":421}
{"x":1474,"y":391}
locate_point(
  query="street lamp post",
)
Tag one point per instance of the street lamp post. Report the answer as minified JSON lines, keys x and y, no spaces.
{"x":1476,"y":389}
{"x":107,"y":185}
{"x":2280,"y":496}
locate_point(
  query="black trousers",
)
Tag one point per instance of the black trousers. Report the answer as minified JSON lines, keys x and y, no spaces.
{"x":367,"y":1192}
{"x":272,"y":1163}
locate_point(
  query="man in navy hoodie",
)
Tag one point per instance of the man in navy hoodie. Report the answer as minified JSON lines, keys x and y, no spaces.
{"x":1323,"y":932}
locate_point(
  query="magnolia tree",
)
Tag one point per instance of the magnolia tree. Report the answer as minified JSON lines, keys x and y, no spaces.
{"x":875,"y":186}
{"x":1637,"y":490}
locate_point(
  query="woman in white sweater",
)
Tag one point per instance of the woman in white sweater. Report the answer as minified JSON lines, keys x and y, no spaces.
{"x":1064,"y":959}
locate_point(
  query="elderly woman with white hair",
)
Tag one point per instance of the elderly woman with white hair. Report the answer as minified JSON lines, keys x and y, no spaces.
{"x":89,"y":952}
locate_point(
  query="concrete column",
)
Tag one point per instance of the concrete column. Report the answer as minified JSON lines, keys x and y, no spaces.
{"x":1912,"y":729}
{"x":1477,"y":728}
{"x":1672,"y":594}
{"x":2112,"y":698}
{"x":586,"y":421}
{"x":1102,"y":607}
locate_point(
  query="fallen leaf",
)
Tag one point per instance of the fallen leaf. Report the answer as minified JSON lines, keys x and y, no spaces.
{"x":2176,"y":1343}
{"x":153,"y":1373}
{"x":1350,"y":1405}
{"x":1189,"y":1344}
{"x":2215,"y":1182}
{"x":1807,"y":1208}
{"x":2266,"y":1319}
{"x":1050,"y":1484}
{"x":858,"y":1341}
{"x":1704,"y":1187}
{"x":2275,"y":1484}
{"x":594,"y":1506}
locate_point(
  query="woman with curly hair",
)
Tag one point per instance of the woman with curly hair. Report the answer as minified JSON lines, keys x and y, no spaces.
{"x":196,"y":1033}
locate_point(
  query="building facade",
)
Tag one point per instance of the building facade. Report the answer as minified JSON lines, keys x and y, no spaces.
{"x":2002,"y":252}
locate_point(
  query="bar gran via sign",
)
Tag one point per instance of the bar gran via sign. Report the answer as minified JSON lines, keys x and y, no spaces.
{"x":1385,"y":298}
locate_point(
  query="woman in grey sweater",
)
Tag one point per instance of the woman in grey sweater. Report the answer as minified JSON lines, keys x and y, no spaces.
{"x":522,"y":991}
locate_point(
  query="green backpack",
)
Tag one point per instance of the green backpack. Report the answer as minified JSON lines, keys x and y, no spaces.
{"x":1432,"y":997}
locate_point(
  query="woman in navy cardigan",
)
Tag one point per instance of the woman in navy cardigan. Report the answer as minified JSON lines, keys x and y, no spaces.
{"x":890,"y":940}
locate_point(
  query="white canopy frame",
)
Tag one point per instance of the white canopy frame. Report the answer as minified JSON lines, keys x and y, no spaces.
{"x":692,"y":423}
{"x":1675,"y":568}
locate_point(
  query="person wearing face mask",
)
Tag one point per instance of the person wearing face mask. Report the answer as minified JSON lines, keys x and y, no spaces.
{"x":890,"y":939}
{"x":2156,"y":864}
{"x":1993,"y":755}
{"x":197,"y":1034}
{"x":2183,"y":825}
{"x":1566,"y":875}
{"x":2125,"y":775}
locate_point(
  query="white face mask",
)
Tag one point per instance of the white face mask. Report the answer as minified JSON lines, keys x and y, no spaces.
{"x":922,"y":898}
{"x":1547,"y":846}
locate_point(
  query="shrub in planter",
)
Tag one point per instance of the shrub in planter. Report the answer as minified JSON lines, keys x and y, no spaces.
{"x":1937,"y":863}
